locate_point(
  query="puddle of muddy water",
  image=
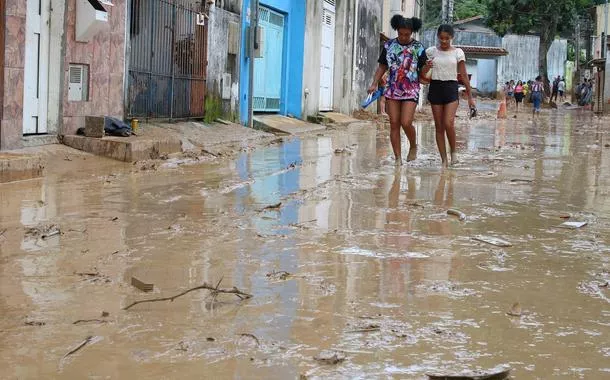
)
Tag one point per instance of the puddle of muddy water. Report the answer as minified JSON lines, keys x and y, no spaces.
{"x":377,"y":269}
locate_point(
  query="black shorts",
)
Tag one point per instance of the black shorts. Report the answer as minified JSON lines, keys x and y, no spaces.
{"x":443,"y":92}
{"x":518,"y":97}
{"x":404,"y":100}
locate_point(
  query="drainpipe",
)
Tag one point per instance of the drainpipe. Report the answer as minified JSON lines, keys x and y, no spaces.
{"x":605,"y":40}
{"x":251,"y":42}
{"x":2,"y":32}
{"x":355,"y":37}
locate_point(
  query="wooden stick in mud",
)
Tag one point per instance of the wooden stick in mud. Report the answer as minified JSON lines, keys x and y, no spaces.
{"x":211,"y":288}
{"x":83,"y":344}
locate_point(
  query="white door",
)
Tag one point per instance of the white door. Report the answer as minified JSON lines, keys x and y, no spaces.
{"x":36,"y":78}
{"x":327,"y":56}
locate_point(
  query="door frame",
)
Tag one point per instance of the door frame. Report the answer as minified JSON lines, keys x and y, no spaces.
{"x":42,"y":65}
{"x":333,"y":9}
{"x":282,"y":55}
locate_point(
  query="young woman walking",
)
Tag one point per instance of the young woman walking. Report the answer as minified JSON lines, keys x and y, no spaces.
{"x":446,"y":62}
{"x":537,"y":94}
{"x":519,"y":95}
{"x":404,"y":57}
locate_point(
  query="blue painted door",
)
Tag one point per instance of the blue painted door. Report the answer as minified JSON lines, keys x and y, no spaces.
{"x":268,"y":68}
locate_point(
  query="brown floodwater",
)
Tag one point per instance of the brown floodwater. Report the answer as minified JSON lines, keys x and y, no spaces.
{"x":380,"y":272}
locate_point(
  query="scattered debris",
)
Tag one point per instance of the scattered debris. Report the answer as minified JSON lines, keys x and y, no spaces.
{"x":114,"y":219}
{"x":141,"y":285}
{"x":214,"y":291}
{"x":210,"y":339}
{"x":67,"y":158}
{"x":258,"y":343}
{"x":369,"y":328}
{"x":35,"y":323}
{"x":340,"y":150}
{"x":273,"y":206}
{"x":515,"y":310}
{"x":458,"y":213}
{"x":494,"y":374}
{"x":82,"y":321}
{"x":278,"y":275}
{"x":572,"y":225}
{"x":492,"y":240}
{"x":514,"y":180}
{"x":43,"y":231}
{"x":93,"y":276}
{"x":182,"y":347}
{"x":77,"y":348}
{"x":607,"y":145}
{"x":330,"y":357}
{"x":105,"y":314}
{"x":415,"y":204}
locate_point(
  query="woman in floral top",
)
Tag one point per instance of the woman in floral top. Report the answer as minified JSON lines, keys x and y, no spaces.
{"x":403,"y":57}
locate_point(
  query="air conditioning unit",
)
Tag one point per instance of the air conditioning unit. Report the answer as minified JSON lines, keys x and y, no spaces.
{"x":91,"y":17}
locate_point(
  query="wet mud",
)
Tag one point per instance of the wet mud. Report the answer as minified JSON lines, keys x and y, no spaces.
{"x":355,"y":267}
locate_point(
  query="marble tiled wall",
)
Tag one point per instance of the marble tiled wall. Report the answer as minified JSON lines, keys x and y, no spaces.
{"x":105,"y":55}
{"x":12,"y":116}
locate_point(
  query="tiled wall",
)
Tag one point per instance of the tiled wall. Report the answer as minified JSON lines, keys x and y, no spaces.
{"x":105,"y":55}
{"x":12,"y":116}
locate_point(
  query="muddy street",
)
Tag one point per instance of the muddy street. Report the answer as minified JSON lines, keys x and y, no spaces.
{"x":340,"y":250}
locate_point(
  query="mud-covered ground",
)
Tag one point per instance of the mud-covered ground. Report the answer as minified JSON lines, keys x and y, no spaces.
{"x":340,"y":250}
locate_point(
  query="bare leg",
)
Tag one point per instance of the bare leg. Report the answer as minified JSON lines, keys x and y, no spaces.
{"x":407,"y":113}
{"x":394,"y":111}
{"x":437,"y":113}
{"x":449,"y":125}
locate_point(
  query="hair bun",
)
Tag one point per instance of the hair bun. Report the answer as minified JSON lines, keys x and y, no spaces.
{"x":397,"y":21}
{"x":417,"y":24}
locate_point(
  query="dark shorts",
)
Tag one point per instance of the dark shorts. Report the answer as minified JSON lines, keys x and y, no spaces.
{"x":404,"y":100}
{"x":560,"y":93}
{"x":518,"y":97}
{"x":443,"y":92}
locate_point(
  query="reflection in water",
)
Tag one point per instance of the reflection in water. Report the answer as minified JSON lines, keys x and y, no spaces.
{"x":367,"y":244}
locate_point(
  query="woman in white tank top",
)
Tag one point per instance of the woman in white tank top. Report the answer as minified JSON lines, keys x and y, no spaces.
{"x":444,"y":64}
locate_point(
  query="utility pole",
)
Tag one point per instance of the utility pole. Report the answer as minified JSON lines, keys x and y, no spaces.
{"x":251,"y":48}
{"x":447,"y":12}
{"x":605,"y":39}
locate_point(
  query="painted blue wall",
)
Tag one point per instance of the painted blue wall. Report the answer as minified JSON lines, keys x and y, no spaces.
{"x":292,"y":70}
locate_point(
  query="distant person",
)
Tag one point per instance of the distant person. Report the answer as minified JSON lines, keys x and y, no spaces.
{"x":561,"y":87}
{"x":403,"y":57}
{"x":555,"y":89}
{"x":519,"y":95}
{"x":537,"y":95}
{"x":511,"y":92}
{"x":446,"y":62}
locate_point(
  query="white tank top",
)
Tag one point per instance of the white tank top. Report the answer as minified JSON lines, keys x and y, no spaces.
{"x":445,"y":62}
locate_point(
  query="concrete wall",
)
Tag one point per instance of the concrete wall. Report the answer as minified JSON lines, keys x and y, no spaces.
{"x":522,"y":60}
{"x":407,"y":8}
{"x":292,"y":70}
{"x":105,"y":55}
{"x":220,"y":61}
{"x":464,"y":38}
{"x":355,"y":63}
{"x":487,"y":76}
{"x":311,"y":66}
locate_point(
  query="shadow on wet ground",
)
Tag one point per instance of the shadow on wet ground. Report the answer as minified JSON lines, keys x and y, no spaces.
{"x":354,"y":255}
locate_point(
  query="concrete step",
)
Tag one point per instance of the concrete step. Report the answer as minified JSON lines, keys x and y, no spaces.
{"x":285,"y":125}
{"x":128,"y":149}
{"x":18,"y":167}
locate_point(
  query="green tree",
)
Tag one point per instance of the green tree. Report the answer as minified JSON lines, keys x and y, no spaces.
{"x":543,"y":17}
{"x":469,"y":8}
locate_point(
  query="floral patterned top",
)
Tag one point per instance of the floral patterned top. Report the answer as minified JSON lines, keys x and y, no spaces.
{"x":404,"y":63}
